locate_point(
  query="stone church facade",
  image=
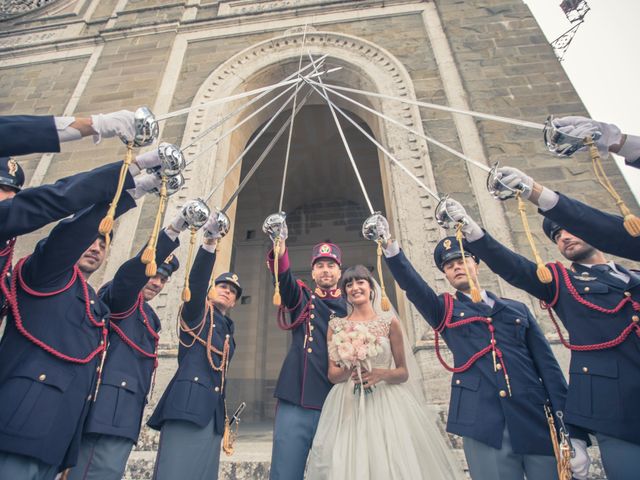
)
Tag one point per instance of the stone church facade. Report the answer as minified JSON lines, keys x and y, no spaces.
{"x":77,"y":57}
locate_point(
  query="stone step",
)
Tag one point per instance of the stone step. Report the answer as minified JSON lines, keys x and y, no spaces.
{"x":250,"y":460}
{"x":252,"y":456}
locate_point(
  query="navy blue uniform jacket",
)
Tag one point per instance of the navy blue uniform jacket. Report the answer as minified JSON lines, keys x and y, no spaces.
{"x":33,"y":208}
{"x":23,"y":134}
{"x":195,"y":393}
{"x":476,"y":409}
{"x":600,"y":229}
{"x":44,"y":398}
{"x":127,"y":374}
{"x":603,"y":384}
{"x":303,"y":378}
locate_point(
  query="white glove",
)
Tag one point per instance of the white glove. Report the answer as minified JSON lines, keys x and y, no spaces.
{"x":150,"y":159}
{"x":178,"y":223}
{"x":211,"y":228}
{"x":581,"y":461}
{"x":583,"y":126}
{"x":382,"y":226}
{"x":144,"y":184}
{"x":108,"y":125}
{"x":513,"y":178}
{"x":284,"y":232}
{"x":471,"y":229}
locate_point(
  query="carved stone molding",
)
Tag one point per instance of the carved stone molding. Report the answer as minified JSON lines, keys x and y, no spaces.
{"x":13,"y":8}
{"x":240,"y":7}
{"x":32,"y":38}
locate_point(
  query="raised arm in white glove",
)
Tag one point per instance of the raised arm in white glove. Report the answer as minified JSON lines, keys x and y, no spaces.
{"x":538,"y":194}
{"x":471,"y":229}
{"x":514,"y":179}
{"x":149,"y":159}
{"x":581,"y":461}
{"x":144,"y":184}
{"x":382,"y":227}
{"x":212,"y":233}
{"x":283,"y":234}
{"x":390,"y":247}
{"x":610,"y":138}
{"x":177,"y":225}
{"x":108,"y":125}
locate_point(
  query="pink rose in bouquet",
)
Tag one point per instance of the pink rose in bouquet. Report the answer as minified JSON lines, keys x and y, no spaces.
{"x":354,"y":346}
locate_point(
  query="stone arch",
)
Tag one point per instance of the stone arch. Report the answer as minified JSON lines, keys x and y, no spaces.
{"x":365,"y":65}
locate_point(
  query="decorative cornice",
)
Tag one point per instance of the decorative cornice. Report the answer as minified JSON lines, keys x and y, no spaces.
{"x":15,"y":8}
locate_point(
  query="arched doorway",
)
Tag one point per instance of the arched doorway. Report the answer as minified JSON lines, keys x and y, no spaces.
{"x":363,"y":65}
{"x":323,"y":202}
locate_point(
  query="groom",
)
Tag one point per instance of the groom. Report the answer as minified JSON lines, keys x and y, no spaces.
{"x":303,"y":384}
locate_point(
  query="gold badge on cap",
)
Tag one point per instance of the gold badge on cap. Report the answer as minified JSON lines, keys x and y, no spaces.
{"x":325,"y":249}
{"x":234,"y":278}
{"x":13,"y":167}
{"x":168,"y":259}
{"x":447,"y":244}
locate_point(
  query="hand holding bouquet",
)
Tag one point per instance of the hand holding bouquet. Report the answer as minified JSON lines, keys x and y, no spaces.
{"x":353,"y":347}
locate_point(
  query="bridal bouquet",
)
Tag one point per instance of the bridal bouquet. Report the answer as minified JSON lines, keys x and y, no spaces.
{"x":354,"y":346}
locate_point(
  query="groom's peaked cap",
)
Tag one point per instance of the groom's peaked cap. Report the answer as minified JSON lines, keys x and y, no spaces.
{"x":326,"y":251}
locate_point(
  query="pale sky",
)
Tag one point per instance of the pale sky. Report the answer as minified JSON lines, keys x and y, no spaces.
{"x":602,"y":61}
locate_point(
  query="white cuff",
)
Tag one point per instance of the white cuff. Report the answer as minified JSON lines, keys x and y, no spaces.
{"x":63,"y":122}
{"x":631,"y":148}
{"x":210,"y":248}
{"x":66,"y":133}
{"x":69,"y":134}
{"x":547,"y":199}
{"x":172,"y":234}
{"x":391,"y":250}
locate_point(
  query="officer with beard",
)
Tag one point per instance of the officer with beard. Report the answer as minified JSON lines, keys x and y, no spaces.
{"x":598,"y":302}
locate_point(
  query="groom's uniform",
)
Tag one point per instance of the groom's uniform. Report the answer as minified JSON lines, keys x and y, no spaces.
{"x":504,"y":373}
{"x":303,"y":384}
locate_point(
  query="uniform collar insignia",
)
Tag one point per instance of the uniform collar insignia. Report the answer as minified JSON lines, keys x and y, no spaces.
{"x":332,"y":293}
{"x":583,"y":276}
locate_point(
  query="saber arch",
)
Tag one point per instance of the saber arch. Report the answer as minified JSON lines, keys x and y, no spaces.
{"x":366,"y":66}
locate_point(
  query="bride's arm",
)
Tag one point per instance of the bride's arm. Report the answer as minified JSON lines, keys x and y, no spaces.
{"x":336,"y":373}
{"x":400,"y":374}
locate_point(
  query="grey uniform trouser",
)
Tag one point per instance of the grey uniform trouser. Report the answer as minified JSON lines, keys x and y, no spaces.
{"x":619,"y":458}
{"x":488,"y":463}
{"x":187,"y":452}
{"x":293,"y":435}
{"x":102,"y":457}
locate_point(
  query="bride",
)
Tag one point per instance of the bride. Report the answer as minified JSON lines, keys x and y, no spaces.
{"x":374,"y":423}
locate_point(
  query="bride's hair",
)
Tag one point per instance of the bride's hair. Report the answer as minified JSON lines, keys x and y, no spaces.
{"x":357,"y":272}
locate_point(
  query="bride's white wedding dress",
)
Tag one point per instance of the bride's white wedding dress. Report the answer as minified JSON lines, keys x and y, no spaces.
{"x":384,"y":435}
